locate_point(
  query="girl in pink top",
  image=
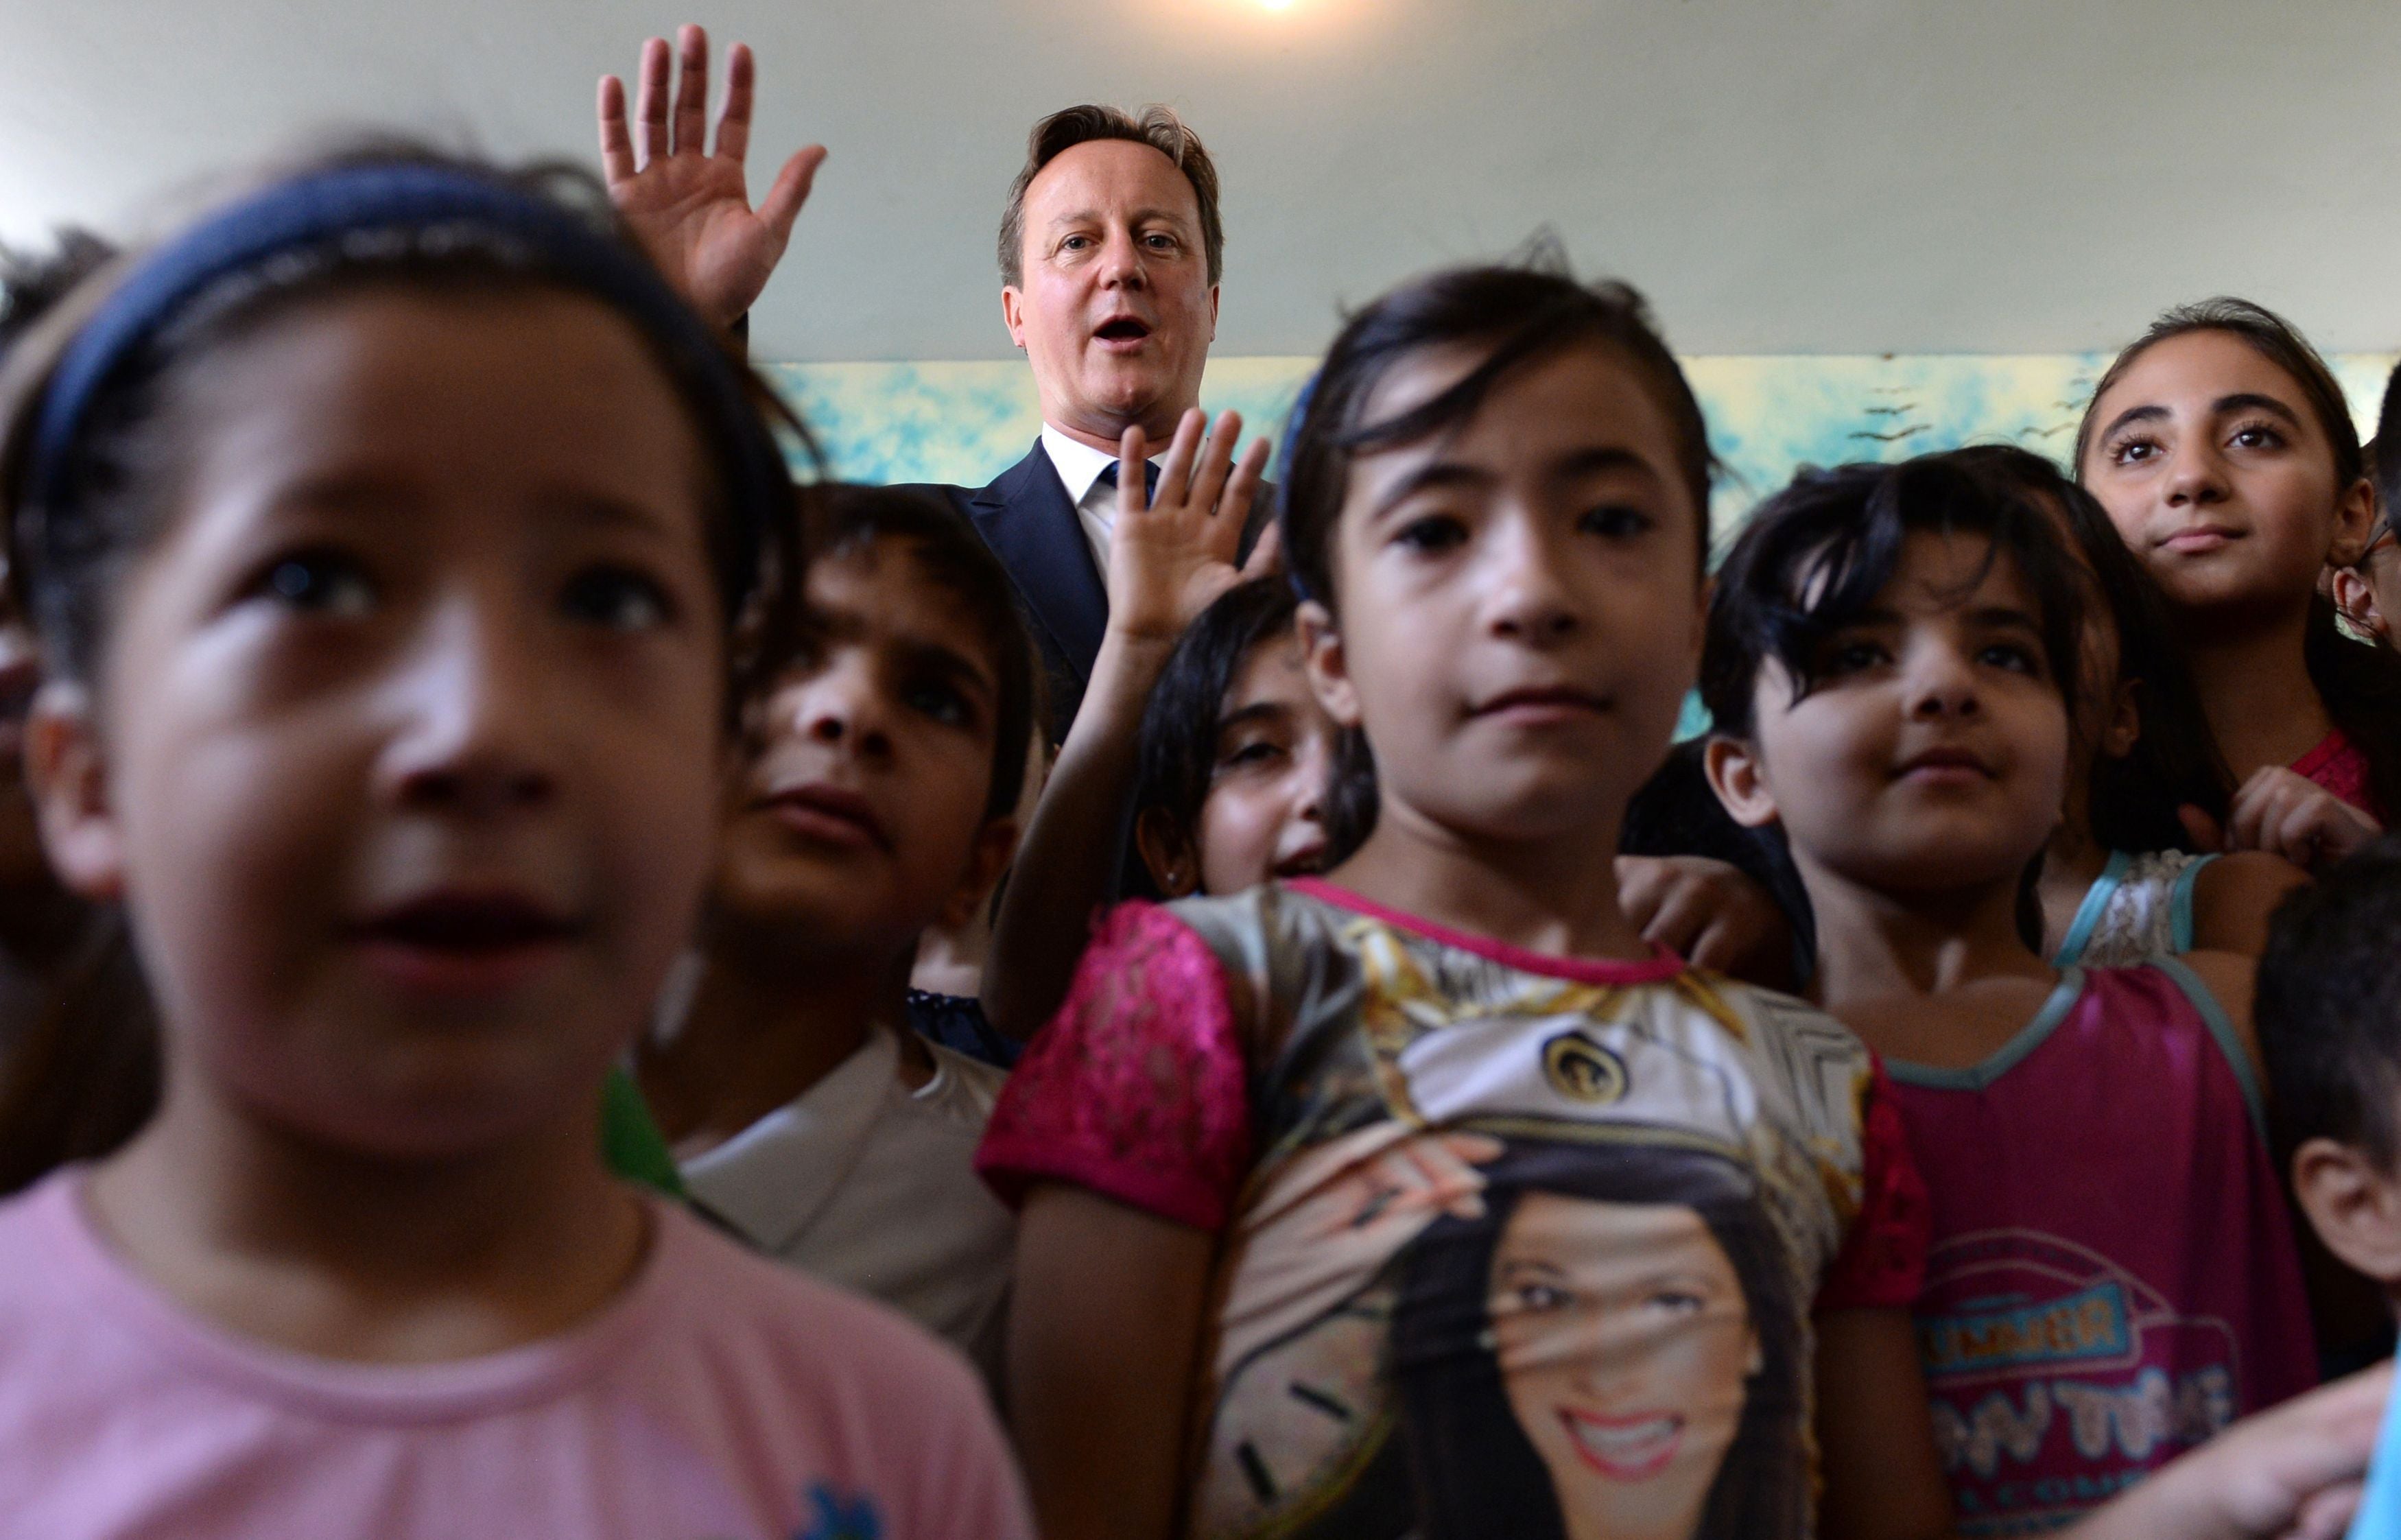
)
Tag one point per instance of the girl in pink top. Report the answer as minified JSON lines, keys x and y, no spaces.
{"x":1893,"y":664}
{"x":386,"y":527}
{"x":2222,"y":446}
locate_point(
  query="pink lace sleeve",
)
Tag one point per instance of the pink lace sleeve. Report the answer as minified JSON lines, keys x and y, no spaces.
{"x":1882,"y":1265}
{"x":1138,"y":1088}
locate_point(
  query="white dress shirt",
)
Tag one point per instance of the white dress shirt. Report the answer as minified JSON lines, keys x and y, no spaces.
{"x":1079,"y":467}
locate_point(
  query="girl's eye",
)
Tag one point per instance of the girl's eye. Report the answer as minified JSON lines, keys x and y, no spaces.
{"x":2130,"y":451}
{"x":1543,"y":1297}
{"x":1616,"y":521}
{"x":1676,"y":1301}
{"x":1431,"y":533}
{"x":1850,"y":657}
{"x":2257,"y":436}
{"x":2014,"y":656}
{"x":939,"y":702}
{"x":616,"y":599}
{"x":1260,"y":751}
{"x":319,"y":583}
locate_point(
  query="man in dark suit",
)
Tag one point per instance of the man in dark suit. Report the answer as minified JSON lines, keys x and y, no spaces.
{"x":1110,"y":253}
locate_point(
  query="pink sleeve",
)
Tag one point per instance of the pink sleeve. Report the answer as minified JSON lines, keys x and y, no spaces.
{"x":1138,"y":1088}
{"x":1882,"y":1265}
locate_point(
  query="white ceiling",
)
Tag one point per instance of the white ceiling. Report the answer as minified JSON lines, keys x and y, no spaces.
{"x":1781,"y":175}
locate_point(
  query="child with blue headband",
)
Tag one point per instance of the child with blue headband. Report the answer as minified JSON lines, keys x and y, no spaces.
{"x":396,"y":540}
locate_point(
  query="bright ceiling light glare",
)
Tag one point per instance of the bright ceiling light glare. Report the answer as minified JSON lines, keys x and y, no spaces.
{"x":1275,"y":4}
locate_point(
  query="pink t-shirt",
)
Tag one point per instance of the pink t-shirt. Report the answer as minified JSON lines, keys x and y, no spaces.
{"x":721,"y":1398}
{"x":2341,"y":766}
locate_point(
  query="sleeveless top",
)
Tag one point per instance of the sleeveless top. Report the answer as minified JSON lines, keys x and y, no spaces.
{"x":2113,"y":1276}
{"x":2139,"y":907}
{"x":1513,"y":1245}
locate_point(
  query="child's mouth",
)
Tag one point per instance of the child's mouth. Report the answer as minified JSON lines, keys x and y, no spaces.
{"x":464,"y":943}
{"x":828,"y":814}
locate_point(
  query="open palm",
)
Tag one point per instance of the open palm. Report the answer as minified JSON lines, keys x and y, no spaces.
{"x":690,"y":208}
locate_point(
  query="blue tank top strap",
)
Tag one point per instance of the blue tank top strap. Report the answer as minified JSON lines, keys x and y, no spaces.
{"x":2088,"y":914}
{"x":2180,"y":904}
{"x":2213,"y":1015}
{"x":1990,"y":1068}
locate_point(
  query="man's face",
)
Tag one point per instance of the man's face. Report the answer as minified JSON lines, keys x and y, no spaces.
{"x":1115,"y":310}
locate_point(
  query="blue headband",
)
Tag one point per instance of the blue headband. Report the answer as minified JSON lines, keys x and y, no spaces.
{"x":311,"y":210}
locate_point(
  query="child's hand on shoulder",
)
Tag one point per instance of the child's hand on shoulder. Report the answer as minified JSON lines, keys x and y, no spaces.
{"x":2289,"y":816}
{"x":1709,"y":913}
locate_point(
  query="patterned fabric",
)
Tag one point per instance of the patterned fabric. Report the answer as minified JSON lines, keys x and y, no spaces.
{"x":2341,"y":766}
{"x":957,"y":1023}
{"x":2113,"y":1276}
{"x":1514,"y":1244}
{"x":2139,"y":908}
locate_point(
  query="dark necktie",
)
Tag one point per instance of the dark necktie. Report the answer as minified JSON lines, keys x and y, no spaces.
{"x":1149,"y":479}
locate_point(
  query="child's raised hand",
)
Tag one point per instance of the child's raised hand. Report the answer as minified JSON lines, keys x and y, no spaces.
{"x":691,"y":209}
{"x":2290,"y":815}
{"x":1172,"y":552}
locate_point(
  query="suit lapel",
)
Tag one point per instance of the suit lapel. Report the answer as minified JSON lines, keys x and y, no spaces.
{"x":1026,"y":520}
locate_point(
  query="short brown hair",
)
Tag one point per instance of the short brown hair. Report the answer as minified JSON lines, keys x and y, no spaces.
{"x":1158,"y":126}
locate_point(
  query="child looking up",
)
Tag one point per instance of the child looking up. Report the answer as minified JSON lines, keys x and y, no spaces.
{"x":2222,"y":449}
{"x":387,"y":529}
{"x":883,"y":760}
{"x":2119,"y":881}
{"x":1893,"y":669}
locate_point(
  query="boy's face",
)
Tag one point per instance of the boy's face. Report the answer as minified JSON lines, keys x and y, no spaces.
{"x":861,"y":818}
{"x":1932,"y":750}
{"x":407,"y":745}
{"x":1521,"y":615}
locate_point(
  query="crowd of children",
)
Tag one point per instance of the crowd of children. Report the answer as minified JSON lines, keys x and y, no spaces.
{"x":452,"y":768}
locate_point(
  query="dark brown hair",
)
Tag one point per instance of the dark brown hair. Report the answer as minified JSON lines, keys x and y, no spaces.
{"x":1158,"y":126}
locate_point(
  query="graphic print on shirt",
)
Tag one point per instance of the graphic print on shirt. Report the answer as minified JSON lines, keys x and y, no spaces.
{"x":1531,"y":1257}
{"x":2058,"y":1379}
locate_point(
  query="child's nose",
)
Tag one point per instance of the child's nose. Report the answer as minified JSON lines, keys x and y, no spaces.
{"x":2196,"y":475}
{"x":475,"y":737}
{"x":1941,"y":685}
{"x":1530,"y":603}
{"x":842,"y":707}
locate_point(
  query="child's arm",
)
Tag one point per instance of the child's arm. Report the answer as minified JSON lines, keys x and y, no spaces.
{"x":2233,"y":896}
{"x":1169,"y":559}
{"x":2292,"y":1470}
{"x":1104,"y":1343}
{"x":2230,"y":977}
{"x":1876,"y":1435}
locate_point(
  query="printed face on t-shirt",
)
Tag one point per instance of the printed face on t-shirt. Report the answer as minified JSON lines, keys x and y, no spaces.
{"x":1623,"y":1343}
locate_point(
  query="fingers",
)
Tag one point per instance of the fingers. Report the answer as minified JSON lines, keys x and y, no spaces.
{"x":1267,"y":557}
{"x":1175,"y":468}
{"x":1642,"y":885}
{"x":782,"y":204}
{"x":651,"y":100}
{"x":616,"y":141}
{"x":691,"y":92}
{"x":734,"y":118}
{"x":1683,"y":921}
{"x":1215,"y":465}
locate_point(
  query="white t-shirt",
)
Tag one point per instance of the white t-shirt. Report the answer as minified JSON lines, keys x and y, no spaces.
{"x":1079,"y":467}
{"x":871,"y":1184}
{"x":719,"y":1397}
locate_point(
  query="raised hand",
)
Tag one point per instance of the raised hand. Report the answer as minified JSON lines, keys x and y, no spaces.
{"x":2290,"y":815}
{"x":1172,"y":554}
{"x":690,"y":208}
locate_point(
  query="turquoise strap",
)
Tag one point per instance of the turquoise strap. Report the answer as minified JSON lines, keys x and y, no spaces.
{"x":2088,"y":914}
{"x":2380,"y":1506}
{"x":2213,"y":1015}
{"x":2180,"y":904}
{"x":1976,"y":1077}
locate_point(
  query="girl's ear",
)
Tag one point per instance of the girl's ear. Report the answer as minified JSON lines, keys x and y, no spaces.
{"x":2353,"y":1203}
{"x":2125,"y":728}
{"x":996,"y":847}
{"x":2354,"y":516}
{"x":2356,"y":597}
{"x":1739,"y":779}
{"x":1167,"y":853}
{"x":1328,"y":666}
{"x":68,"y":777}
